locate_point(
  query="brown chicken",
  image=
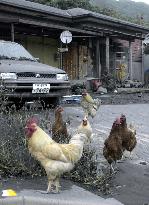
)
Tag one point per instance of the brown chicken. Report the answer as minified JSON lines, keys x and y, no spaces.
{"x":112,"y":150}
{"x":56,"y":158}
{"x":59,"y":128}
{"x":128,"y":135}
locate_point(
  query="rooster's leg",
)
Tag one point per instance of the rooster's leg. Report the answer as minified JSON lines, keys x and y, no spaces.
{"x":57,"y":185}
{"x":49,"y":189}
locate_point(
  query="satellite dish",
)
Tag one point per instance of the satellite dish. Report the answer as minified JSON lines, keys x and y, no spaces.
{"x":66,"y":36}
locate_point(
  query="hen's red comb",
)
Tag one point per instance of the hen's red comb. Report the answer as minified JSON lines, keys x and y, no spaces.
{"x":117,"y":121}
{"x":123,"y":116}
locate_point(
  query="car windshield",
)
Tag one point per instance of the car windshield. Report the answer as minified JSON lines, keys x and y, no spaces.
{"x":14,"y":51}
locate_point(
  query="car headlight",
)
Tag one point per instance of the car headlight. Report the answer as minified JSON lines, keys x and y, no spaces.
{"x":8,"y":76}
{"x":61,"y":76}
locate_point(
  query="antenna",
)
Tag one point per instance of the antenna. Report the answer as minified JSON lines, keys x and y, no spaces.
{"x":66,"y":37}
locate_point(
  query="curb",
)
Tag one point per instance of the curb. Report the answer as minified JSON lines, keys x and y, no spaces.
{"x":29,"y":200}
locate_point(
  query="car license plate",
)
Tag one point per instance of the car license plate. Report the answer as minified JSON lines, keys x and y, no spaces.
{"x":41,"y":88}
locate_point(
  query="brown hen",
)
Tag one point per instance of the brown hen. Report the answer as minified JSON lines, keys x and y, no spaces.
{"x":128,"y":134}
{"x":112,"y":150}
{"x":59,"y":128}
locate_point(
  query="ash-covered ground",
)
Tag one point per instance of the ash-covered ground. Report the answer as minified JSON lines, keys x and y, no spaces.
{"x":130,"y":185}
{"x":127,"y":98}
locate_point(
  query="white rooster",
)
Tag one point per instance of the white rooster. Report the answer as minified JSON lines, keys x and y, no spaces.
{"x":54,"y":157}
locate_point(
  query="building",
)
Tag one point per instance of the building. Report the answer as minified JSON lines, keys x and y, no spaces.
{"x":99,"y":43}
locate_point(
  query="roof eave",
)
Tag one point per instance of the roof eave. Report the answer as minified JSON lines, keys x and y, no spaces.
{"x":45,"y":13}
{"x":93,"y":18}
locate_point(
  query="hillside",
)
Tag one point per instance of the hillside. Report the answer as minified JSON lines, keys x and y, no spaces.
{"x":125,"y":7}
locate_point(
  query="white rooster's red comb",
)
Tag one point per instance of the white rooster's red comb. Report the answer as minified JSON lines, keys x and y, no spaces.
{"x":32,"y":120}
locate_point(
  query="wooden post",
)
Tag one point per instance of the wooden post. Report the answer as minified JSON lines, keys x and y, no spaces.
{"x":78,"y":62}
{"x":61,"y":57}
{"x":142,"y":64}
{"x":98,"y":65}
{"x":130,"y":60}
{"x":107,"y":53}
{"x":12,"y":32}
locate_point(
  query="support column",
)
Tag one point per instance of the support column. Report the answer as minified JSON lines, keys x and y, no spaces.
{"x":61,"y":57}
{"x":130,"y":60}
{"x":12,"y":32}
{"x":98,"y":65}
{"x":142,"y":63}
{"x":107,"y":53}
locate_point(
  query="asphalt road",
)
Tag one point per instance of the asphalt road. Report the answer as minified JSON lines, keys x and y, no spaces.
{"x":137,"y":114}
{"x":130,"y":184}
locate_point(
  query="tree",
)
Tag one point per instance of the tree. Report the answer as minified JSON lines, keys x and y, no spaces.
{"x":115,"y":12}
{"x":67,"y":4}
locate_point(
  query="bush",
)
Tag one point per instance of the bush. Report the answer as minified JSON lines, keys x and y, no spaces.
{"x":15,"y":158}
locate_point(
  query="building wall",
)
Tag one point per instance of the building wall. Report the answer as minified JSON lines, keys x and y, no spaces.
{"x":78,"y":62}
{"x":136,"y":58}
{"x":136,"y":48}
{"x":146,"y":68}
{"x":41,"y":47}
{"x":70,"y":61}
{"x":136,"y":70}
{"x":146,"y":62}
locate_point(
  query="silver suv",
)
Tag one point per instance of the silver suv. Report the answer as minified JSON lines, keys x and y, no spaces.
{"x":23,"y":78}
